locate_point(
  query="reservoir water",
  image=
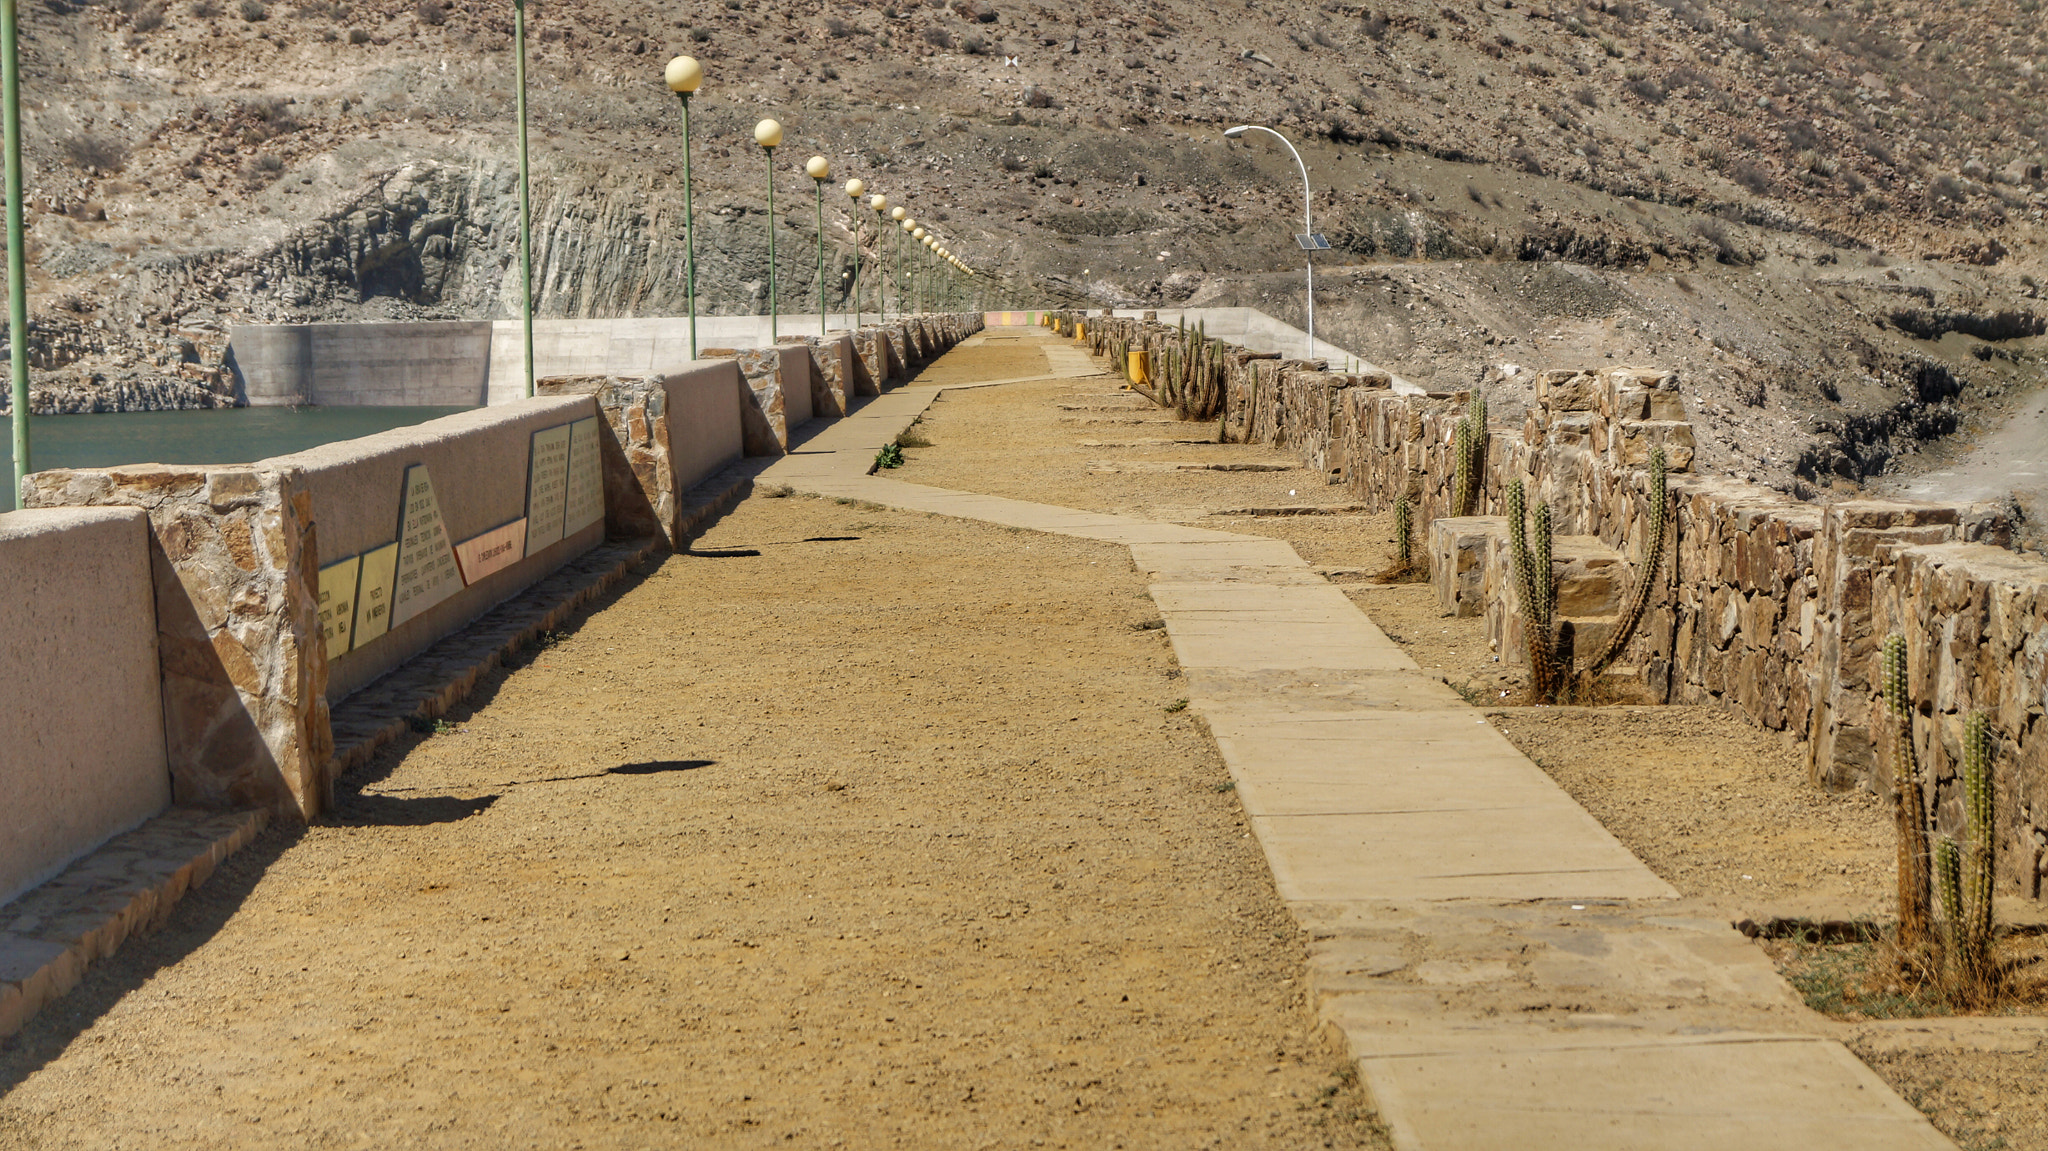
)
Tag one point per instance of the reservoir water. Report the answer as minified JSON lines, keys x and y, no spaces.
{"x":219,"y":436}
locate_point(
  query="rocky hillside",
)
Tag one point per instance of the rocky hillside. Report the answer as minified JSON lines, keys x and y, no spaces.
{"x":1825,"y":213}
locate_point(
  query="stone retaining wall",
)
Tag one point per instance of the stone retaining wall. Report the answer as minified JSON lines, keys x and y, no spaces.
{"x":249,"y":562}
{"x":1763,"y":605}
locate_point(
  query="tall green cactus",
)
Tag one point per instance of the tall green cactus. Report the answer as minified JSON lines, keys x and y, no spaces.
{"x":1909,"y":812}
{"x":1973,"y":937}
{"x":1646,"y":570}
{"x":1461,"y":463}
{"x":1403,"y":550}
{"x":1534,"y":581}
{"x":1471,"y":456}
{"x":1948,"y":880}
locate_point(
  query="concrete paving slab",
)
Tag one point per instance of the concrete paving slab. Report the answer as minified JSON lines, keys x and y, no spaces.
{"x":1505,"y":854}
{"x":1709,"y":1095}
{"x":1247,"y":643}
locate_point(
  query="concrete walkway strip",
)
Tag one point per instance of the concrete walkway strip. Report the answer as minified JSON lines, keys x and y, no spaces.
{"x":1397,"y":821}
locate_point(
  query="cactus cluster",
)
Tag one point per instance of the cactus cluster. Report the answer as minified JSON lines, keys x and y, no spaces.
{"x":1189,"y":374}
{"x":1962,"y":874}
{"x":1470,"y":454}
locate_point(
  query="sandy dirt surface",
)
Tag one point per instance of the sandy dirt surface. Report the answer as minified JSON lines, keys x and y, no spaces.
{"x":880,"y":838}
{"x":1719,"y":809}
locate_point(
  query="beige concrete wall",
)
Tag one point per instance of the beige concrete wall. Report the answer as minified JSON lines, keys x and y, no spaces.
{"x":350,"y":365}
{"x":703,"y":419}
{"x":478,"y":461}
{"x":81,"y":721}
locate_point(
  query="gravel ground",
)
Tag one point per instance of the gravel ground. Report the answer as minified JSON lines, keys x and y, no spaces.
{"x":882,"y":841}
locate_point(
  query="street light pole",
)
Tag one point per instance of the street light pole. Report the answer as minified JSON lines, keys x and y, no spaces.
{"x":684,"y":74}
{"x":525,"y":203}
{"x":1307,"y":226}
{"x":768,"y":134}
{"x":901,"y":215}
{"x":17,"y":261}
{"x":854,"y":188}
{"x":819,"y":169}
{"x":880,"y":204}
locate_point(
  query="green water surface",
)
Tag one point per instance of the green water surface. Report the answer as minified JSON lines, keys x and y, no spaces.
{"x":219,"y":436}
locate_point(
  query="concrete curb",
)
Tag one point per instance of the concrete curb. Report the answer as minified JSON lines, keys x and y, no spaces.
{"x":49,"y":936}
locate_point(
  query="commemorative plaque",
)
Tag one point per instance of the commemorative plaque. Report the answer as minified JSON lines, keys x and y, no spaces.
{"x":493,"y":551}
{"x":585,"y":505}
{"x":338,"y":604}
{"x":373,"y":593}
{"x":427,"y":573}
{"x":547,"y":486}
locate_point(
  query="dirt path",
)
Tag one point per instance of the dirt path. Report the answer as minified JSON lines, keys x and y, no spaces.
{"x":882,"y":837}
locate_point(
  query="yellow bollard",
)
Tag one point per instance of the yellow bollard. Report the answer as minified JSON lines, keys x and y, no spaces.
{"x":1080,"y":330}
{"x":1137,"y":361}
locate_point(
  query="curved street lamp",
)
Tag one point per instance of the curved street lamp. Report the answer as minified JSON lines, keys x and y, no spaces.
{"x":1307,"y":227}
{"x":684,"y":74}
{"x":819,"y":169}
{"x":854,"y":190}
{"x":768,"y":134}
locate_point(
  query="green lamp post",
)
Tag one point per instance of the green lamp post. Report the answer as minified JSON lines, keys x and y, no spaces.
{"x":880,"y":204}
{"x":854,"y":189}
{"x":901,"y":215}
{"x":684,"y":74}
{"x":819,"y":169}
{"x":917,"y":267}
{"x":17,"y":263}
{"x":525,"y":200}
{"x":768,"y":134}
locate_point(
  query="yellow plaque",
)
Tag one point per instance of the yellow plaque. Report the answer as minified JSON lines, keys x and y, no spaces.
{"x":427,"y":573}
{"x":585,"y":505}
{"x":373,"y":593}
{"x":338,"y":604}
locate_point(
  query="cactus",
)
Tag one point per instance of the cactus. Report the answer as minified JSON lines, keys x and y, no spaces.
{"x":1910,"y":814}
{"x":1948,"y":879}
{"x":1973,"y":931}
{"x":1403,"y":552}
{"x":1533,"y":580}
{"x":1646,"y":571}
{"x":1461,"y":460}
{"x":1471,"y":456}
